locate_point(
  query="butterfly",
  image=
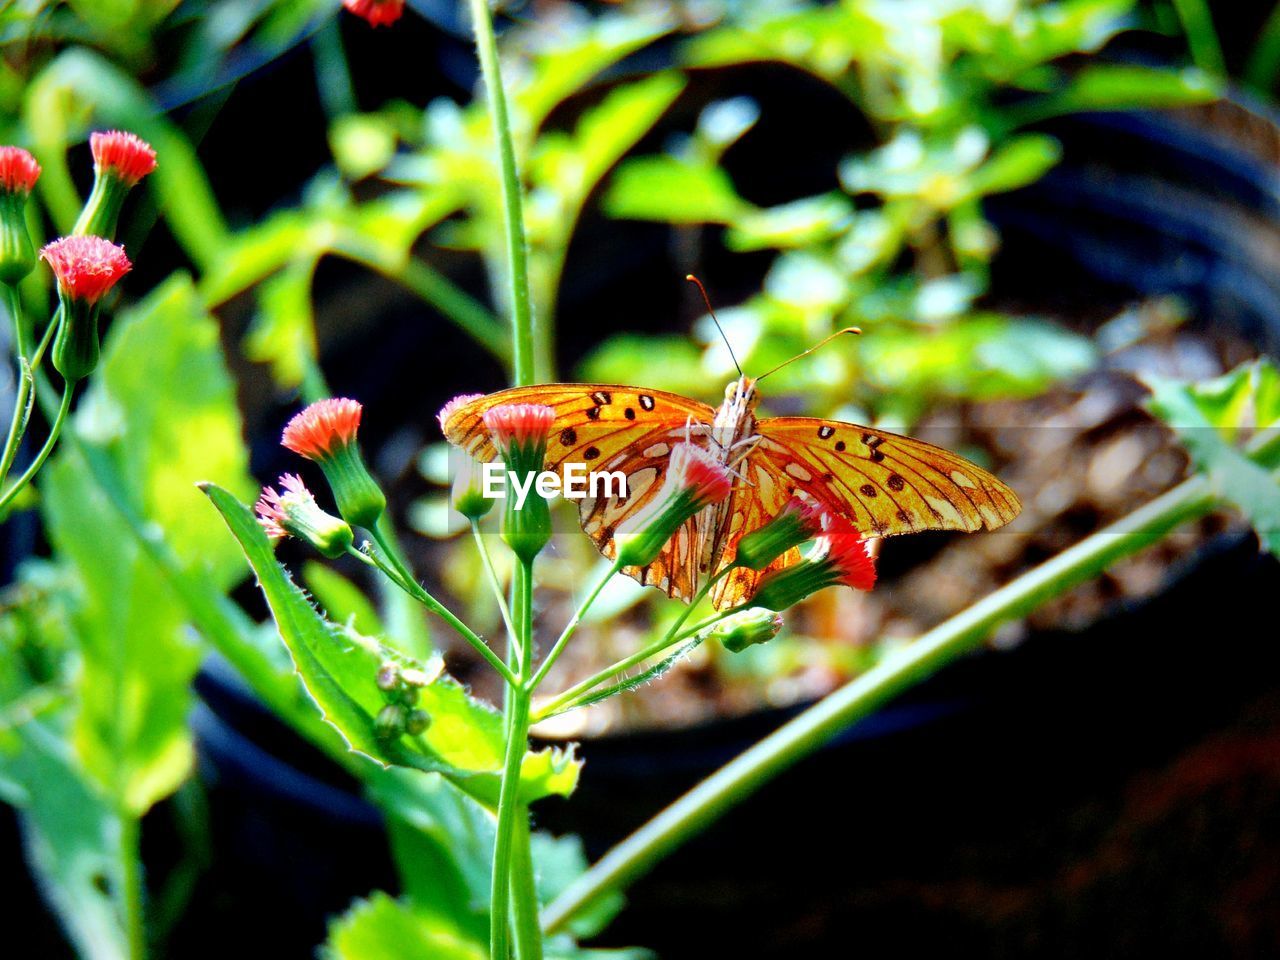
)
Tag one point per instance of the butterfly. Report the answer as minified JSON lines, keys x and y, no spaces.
{"x":883,"y":483}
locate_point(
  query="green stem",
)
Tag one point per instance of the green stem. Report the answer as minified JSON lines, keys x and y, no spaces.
{"x":1202,"y":36}
{"x":50,"y":442}
{"x":522,"y":321}
{"x":671,"y":637}
{"x":22,"y":402}
{"x":495,"y":584}
{"x":820,"y":723}
{"x":13,"y":303}
{"x":509,"y":807}
{"x":1264,"y":60}
{"x":386,"y":561}
{"x":131,"y":893}
{"x":524,"y":893}
{"x":572,"y":626}
{"x":50,"y":329}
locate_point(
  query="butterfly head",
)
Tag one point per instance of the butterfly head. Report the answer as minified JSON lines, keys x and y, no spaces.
{"x":741,"y":394}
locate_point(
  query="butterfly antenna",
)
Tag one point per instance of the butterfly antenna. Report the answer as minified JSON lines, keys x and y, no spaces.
{"x":716,"y":320}
{"x":821,"y":343}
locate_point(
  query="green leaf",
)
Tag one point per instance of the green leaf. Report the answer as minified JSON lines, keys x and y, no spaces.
{"x":670,"y":190}
{"x":338,"y":668}
{"x":1250,"y":488}
{"x":72,"y":836}
{"x":254,"y":254}
{"x":342,"y":600}
{"x":381,"y":928}
{"x":986,"y":357}
{"x":802,"y":223}
{"x":283,"y":331}
{"x":1116,"y":87}
{"x":160,"y":413}
{"x":442,"y":841}
{"x":1021,"y":161}
{"x":647,"y":675}
{"x":611,"y":128}
{"x":576,"y":53}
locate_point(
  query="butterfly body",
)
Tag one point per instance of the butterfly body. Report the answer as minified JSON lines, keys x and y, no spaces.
{"x":884,"y":483}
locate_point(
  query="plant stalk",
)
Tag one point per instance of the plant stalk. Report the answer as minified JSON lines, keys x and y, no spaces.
{"x":522,"y":321}
{"x":800,"y":737}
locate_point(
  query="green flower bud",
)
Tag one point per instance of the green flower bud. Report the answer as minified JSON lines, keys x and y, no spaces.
{"x":390,"y":722}
{"x":417,"y":723}
{"x":797,"y":523}
{"x":747,"y":628}
{"x":466,"y":494}
{"x":519,"y":431}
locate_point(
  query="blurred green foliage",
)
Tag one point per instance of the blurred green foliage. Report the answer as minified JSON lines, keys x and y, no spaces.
{"x":903,"y":248}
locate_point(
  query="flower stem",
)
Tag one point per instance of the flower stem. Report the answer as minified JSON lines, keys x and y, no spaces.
{"x":509,"y":807}
{"x":512,"y":893}
{"x":524,"y":894}
{"x":394,"y":568}
{"x":673,"y":635}
{"x":522,"y":334}
{"x":572,"y":626}
{"x":50,"y":442}
{"x":131,"y":893}
{"x":803,"y":735}
{"x":495,"y":584}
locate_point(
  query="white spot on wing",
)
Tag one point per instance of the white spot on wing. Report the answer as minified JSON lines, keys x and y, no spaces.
{"x":799,"y":472}
{"x":657,"y":450}
{"x":945,"y":509}
{"x":962,"y":480}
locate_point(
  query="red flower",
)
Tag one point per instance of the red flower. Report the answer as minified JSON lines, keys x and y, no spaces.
{"x":86,"y":267}
{"x":847,"y":552}
{"x":522,"y":426}
{"x":18,"y":170}
{"x":323,"y":428}
{"x":272,"y":507}
{"x":379,"y":13}
{"x":698,"y":474}
{"x":127,"y":156}
{"x":695,"y":480}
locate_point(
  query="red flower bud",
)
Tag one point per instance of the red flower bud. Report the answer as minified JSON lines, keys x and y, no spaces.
{"x":86,"y":267}
{"x":18,"y":170}
{"x":326,"y":433}
{"x":125,"y":155}
{"x":379,"y":13}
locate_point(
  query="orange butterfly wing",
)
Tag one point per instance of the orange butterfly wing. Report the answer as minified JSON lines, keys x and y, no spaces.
{"x":886,"y":484}
{"x":612,"y":428}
